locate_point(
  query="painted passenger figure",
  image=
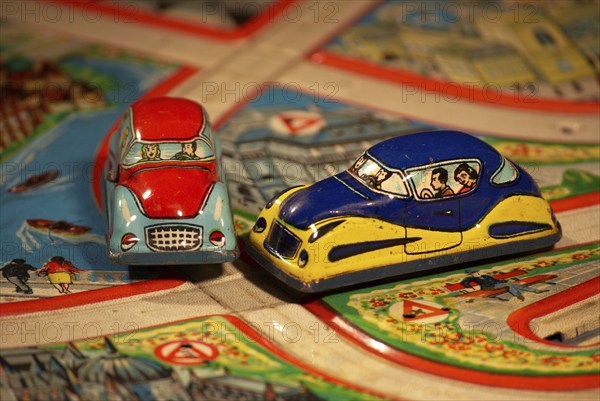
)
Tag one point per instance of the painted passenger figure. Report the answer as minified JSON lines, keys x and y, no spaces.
{"x":439,"y":182}
{"x":150,"y":152}
{"x":188,"y":152}
{"x":466,"y":176}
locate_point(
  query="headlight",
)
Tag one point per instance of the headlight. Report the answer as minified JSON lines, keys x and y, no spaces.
{"x":260,"y":225}
{"x":217,"y":238}
{"x":128,"y":241}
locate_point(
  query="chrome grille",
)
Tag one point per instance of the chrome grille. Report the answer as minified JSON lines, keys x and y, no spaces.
{"x":282,"y":242}
{"x":173,"y":237}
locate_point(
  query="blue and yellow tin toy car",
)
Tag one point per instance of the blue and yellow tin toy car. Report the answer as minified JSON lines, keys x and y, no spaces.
{"x":408,"y":204}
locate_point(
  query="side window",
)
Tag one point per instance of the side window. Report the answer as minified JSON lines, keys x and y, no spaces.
{"x":124,"y":137}
{"x":113,"y":156}
{"x":446,"y":179}
{"x":505,"y":174}
{"x":125,"y":132}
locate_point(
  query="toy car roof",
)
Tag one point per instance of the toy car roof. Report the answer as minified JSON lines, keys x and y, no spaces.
{"x":167,"y":119}
{"x":431,"y":147}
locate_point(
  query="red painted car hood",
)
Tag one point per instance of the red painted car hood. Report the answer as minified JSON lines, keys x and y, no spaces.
{"x":171,"y":192}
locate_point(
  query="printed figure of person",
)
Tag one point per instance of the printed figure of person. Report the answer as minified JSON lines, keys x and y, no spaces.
{"x":188,"y":152}
{"x":150,"y":152}
{"x":60,"y":273}
{"x":439,"y":182}
{"x":487,"y":282}
{"x":376,"y":180}
{"x":382,"y":175}
{"x":466,"y":176}
{"x":17,"y":273}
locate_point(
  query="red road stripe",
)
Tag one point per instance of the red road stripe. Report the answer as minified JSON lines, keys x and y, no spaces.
{"x":89,"y":297}
{"x":575,"y":202}
{"x":451,"y":90}
{"x":128,"y":13}
{"x":519,"y":320}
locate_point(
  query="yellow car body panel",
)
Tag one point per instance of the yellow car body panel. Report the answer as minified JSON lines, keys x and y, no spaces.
{"x":430,"y":243}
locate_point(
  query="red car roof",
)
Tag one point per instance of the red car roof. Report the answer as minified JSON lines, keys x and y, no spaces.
{"x":167,"y":119}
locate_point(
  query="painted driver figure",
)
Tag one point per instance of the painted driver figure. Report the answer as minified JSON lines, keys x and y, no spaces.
{"x":375,"y":181}
{"x":188,"y":152}
{"x":439,"y":182}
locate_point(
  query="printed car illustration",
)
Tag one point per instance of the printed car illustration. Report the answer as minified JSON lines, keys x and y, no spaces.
{"x":164,"y":192}
{"x":408,"y":204}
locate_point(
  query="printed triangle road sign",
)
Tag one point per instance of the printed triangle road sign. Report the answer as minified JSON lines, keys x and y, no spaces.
{"x":296,"y":125}
{"x":297,"y":122}
{"x":186,"y":352}
{"x":413,"y":311}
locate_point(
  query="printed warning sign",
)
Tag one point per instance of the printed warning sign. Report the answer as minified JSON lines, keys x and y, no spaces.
{"x":186,"y":352}
{"x":297,"y":122}
{"x":419,"y":311}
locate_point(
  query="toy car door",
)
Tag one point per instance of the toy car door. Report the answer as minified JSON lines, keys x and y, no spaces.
{"x":434,"y":214}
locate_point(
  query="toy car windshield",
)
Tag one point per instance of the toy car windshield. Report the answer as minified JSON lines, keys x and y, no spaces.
{"x":378,"y":177}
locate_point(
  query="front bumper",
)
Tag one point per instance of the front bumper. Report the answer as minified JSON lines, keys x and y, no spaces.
{"x":174,"y":258}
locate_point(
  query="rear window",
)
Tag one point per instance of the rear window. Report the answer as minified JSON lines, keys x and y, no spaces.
{"x":505,"y":174}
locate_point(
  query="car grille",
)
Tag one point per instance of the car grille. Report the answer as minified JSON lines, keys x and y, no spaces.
{"x":282,"y":242}
{"x":173,"y":237}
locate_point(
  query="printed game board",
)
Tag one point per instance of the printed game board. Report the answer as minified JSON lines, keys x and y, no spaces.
{"x":451,"y":319}
{"x":59,"y":108}
{"x":508,"y":53}
{"x":296,"y":91}
{"x":213,"y":356}
{"x":225,"y":20}
{"x":285,"y":137}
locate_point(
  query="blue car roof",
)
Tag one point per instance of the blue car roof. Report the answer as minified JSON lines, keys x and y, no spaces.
{"x":430,"y":147}
{"x":344,"y":195}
